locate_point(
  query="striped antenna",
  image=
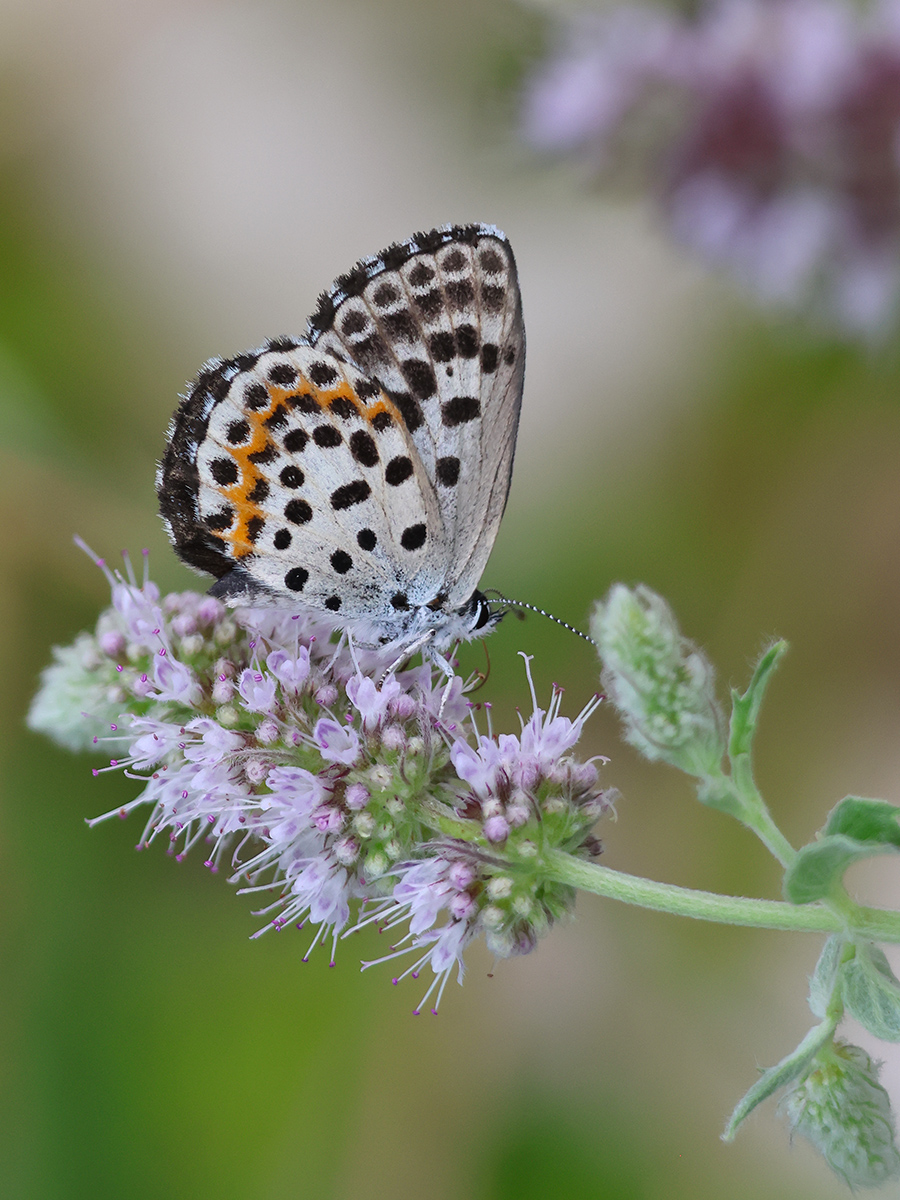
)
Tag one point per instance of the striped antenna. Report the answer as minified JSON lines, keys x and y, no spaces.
{"x":498,"y":599}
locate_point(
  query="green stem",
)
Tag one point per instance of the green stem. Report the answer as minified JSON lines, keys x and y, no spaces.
{"x":756,"y":815}
{"x":875,"y":923}
{"x":772,"y":837}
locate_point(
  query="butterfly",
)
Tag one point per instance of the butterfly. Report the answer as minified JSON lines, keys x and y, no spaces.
{"x":361,"y":471}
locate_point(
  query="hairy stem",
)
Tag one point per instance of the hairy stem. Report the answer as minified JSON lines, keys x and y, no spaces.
{"x":875,"y":923}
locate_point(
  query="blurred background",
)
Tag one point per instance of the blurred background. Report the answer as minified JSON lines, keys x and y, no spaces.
{"x":179,"y":180}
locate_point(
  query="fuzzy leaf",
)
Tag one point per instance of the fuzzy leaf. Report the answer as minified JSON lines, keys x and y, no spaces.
{"x":819,"y":867}
{"x":872,"y":821}
{"x":789,"y":1070}
{"x":745,"y":708}
{"x":872,"y":992}
{"x":824,"y":977}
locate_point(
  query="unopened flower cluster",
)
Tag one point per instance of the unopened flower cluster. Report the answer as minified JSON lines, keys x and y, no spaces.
{"x":769,"y":130}
{"x":661,"y":684}
{"x":316,"y":776}
{"x":845,"y":1112}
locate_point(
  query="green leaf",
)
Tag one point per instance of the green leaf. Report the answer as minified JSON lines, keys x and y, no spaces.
{"x":824,"y":977}
{"x":872,"y":992}
{"x":873,"y":821}
{"x":856,"y":828}
{"x":787,"y":1071}
{"x":819,"y":867}
{"x":745,"y":708}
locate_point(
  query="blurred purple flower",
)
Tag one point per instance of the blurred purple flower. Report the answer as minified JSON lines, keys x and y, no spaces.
{"x":770,"y":132}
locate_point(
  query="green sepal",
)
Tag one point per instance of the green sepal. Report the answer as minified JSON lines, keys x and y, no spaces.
{"x":824,"y":978}
{"x":745,"y":708}
{"x":856,"y":828}
{"x":791,"y":1068}
{"x":872,"y":992}
{"x":874,"y":821}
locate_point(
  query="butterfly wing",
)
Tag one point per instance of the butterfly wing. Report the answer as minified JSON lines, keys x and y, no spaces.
{"x":291,"y":475}
{"x":437,"y":322}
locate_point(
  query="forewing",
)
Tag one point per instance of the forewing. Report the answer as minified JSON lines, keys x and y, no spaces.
{"x":437,"y":322}
{"x":291,"y":475}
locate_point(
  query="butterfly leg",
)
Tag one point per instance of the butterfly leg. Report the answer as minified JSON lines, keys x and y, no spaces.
{"x":445,"y":665}
{"x":409,"y":651}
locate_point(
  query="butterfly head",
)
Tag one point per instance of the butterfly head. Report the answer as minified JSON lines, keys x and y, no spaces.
{"x":475,"y":619}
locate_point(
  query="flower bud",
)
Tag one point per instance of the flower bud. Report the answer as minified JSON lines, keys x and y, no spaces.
{"x":112,"y":643}
{"x":661,"y":684}
{"x":846,"y":1113}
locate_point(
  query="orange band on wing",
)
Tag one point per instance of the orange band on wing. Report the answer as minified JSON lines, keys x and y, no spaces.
{"x":243,"y":495}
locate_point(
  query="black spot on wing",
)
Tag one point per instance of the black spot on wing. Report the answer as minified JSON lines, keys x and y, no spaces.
{"x":385,"y":295}
{"x":221,"y":519}
{"x":277,"y":418}
{"x":342,"y":407}
{"x":454,"y":261}
{"x":349,"y":494}
{"x":322,"y":374}
{"x":460,"y":293}
{"x":490,"y":262}
{"x":304,"y":402}
{"x":430,"y":303}
{"x":490,"y":356}
{"x":442,"y":346}
{"x":401,"y":326}
{"x":409,"y":410}
{"x":354,"y":322}
{"x":298,"y":512}
{"x":421,"y":274}
{"x":255,"y":397}
{"x":398,"y":470}
{"x":459,"y":410}
{"x":267,"y":454}
{"x":419,"y":378}
{"x":366,"y":389}
{"x":224,"y":471}
{"x":413,"y":537}
{"x":292,"y":477}
{"x":295,"y":579}
{"x":283,"y":375}
{"x":237,"y":432}
{"x":448,"y":470}
{"x":327,"y":437}
{"x":363,"y":448}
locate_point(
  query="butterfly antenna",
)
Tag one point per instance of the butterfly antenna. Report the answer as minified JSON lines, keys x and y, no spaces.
{"x":498,"y":599}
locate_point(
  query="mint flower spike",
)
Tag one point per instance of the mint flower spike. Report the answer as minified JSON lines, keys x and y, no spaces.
{"x":324,"y":785}
{"x":662,"y":685}
{"x":845,"y":1112}
{"x":776,"y":157}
